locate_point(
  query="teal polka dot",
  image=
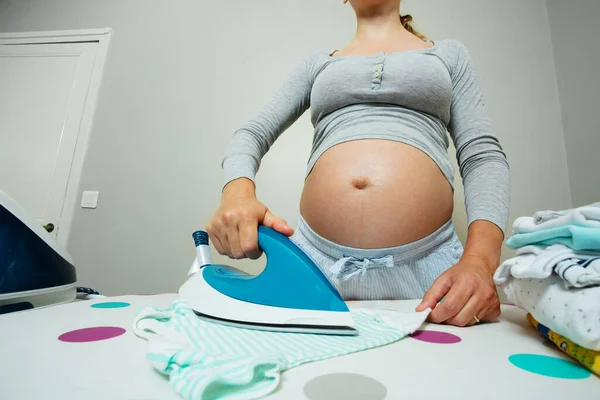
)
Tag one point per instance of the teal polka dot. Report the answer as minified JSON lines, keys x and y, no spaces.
{"x":553,"y":367}
{"x":111,"y":304}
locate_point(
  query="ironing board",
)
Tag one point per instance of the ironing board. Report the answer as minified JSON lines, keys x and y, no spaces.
{"x":441,"y":362}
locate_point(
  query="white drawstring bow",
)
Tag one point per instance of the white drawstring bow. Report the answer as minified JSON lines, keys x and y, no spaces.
{"x":348,"y":267}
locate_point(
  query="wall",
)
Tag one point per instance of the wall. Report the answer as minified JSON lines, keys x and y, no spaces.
{"x":181,"y":76}
{"x":574,"y":26}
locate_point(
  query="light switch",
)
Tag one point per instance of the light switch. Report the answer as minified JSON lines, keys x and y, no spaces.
{"x":89,"y":199}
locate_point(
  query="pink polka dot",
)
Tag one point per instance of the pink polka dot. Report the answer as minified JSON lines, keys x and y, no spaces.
{"x":92,"y":334}
{"x":436,"y":337}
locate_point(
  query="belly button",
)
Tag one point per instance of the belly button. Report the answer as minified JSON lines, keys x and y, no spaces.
{"x":360,"y":182}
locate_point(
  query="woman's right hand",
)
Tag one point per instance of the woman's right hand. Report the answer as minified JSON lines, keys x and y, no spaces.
{"x":234,"y":226}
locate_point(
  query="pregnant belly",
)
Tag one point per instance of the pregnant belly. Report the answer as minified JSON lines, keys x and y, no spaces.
{"x":375,"y":193}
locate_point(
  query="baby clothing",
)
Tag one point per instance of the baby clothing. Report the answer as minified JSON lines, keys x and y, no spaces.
{"x":588,"y":216}
{"x":578,"y":228}
{"x":205,"y":360}
{"x":586,"y":212}
{"x":397,"y":273}
{"x":573,"y":313}
{"x":586,"y":357}
{"x":414,"y":97}
{"x":573,"y":236}
{"x":576,"y":268}
{"x":555,"y":274}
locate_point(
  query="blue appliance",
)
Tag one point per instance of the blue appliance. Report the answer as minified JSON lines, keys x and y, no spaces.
{"x":291,"y":294}
{"x":34,"y":270}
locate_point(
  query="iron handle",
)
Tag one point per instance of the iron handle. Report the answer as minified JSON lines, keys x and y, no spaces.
{"x":49,"y":227}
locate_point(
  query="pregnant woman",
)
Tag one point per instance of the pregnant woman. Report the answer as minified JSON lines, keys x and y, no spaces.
{"x":378,"y":196}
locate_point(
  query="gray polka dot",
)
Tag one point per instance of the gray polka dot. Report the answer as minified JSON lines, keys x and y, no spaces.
{"x":344,"y":386}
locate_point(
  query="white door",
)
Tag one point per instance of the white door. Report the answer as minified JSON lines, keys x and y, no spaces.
{"x":43,"y":93}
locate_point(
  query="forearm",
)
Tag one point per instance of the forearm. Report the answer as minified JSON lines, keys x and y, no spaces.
{"x":484,"y":244}
{"x":487,"y":200}
{"x":486,"y":182}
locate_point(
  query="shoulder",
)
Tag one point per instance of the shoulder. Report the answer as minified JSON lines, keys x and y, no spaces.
{"x":318,"y":57}
{"x":456,"y":56}
{"x":452,"y":49}
{"x":312,"y":63}
{"x":311,"y":56}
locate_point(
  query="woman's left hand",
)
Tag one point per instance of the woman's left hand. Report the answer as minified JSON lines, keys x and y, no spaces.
{"x":468,"y":291}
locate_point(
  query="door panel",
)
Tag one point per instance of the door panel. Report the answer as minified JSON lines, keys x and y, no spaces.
{"x":43,"y":89}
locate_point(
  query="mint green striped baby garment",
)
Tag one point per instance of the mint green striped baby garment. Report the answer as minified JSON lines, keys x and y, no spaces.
{"x":573,"y":236}
{"x":204,"y":360}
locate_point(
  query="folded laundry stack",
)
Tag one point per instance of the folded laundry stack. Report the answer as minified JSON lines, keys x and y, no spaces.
{"x":555,"y":277}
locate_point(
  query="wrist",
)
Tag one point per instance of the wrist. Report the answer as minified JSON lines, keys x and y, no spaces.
{"x":239,"y":188}
{"x":484,"y":245}
{"x":481,"y":260}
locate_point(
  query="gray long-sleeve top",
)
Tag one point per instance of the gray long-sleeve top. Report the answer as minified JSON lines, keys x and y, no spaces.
{"x":413,"y":96}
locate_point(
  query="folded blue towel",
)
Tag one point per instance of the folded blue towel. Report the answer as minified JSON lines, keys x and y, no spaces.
{"x":575,"y":237}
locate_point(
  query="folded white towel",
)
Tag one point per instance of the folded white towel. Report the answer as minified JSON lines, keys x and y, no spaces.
{"x":566,"y":217}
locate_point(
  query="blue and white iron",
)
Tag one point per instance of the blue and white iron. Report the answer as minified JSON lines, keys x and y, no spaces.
{"x":290,"y":295}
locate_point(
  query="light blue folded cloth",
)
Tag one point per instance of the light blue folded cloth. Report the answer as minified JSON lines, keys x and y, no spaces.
{"x":204,"y":360}
{"x":575,"y":237}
